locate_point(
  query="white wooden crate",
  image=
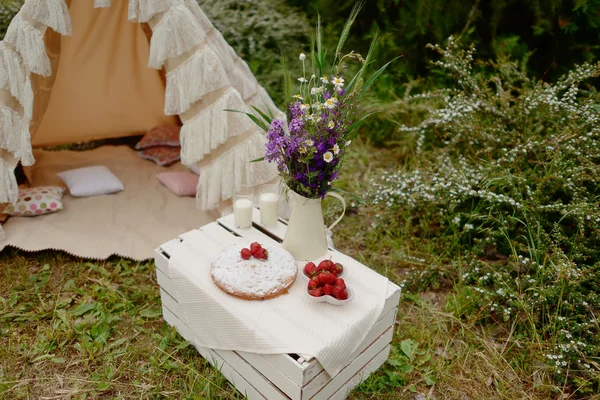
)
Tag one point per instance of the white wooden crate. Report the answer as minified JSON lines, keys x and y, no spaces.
{"x":281,"y":376}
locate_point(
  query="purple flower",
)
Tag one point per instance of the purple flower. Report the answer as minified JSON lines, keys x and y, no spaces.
{"x":342,"y":92}
{"x":296,"y":125}
{"x":275,"y":141}
{"x":295,"y":111}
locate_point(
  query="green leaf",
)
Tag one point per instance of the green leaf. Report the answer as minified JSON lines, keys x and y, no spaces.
{"x":253,"y":117}
{"x":263,"y":115}
{"x":374,"y":77}
{"x":409,"y":347}
{"x":150,"y":313}
{"x":406,"y":368}
{"x":353,"y":129}
{"x":102,"y":386}
{"x":258,"y":160}
{"x":430,"y":380}
{"x":84,"y":308}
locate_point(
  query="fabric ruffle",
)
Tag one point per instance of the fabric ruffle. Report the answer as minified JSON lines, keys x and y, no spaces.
{"x":176,"y":33}
{"x":232,"y":169}
{"x":213,"y":126}
{"x":202,"y":73}
{"x":14,"y":78}
{"x":51,"y":13}
{"x":29,"y":43}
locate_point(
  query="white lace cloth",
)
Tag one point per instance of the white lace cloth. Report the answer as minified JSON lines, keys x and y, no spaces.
{"x":290,"y":323}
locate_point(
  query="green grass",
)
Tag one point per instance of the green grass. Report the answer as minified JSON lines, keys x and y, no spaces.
{"x":70,"y":328}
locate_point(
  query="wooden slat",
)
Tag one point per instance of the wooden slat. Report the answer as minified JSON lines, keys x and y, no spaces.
{"x":324,"y":389}
{"x":362,"y":375}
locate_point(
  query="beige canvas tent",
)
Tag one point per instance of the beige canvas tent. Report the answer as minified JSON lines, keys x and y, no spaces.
{"x":78,"y":70}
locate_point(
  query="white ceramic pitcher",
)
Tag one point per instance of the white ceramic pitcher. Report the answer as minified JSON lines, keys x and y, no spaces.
{"x":306,"y":237}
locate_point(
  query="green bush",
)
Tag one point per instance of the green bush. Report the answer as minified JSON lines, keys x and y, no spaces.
{"x":504,"y":180}
{"x":8,"y":10}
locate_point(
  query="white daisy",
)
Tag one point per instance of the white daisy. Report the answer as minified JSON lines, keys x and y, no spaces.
{"x":338,"y":81}
{"x":331,"y":125}
{"x":316,"y":90}
{"x":324,"y":79}
{"x":302,"y":80}
{"x":328,"y":157}
{"x":330,"y":102}
{"x":302,"y":57}
{"x":348,"y":143}
{"x":304,"y":107}
{"x":302,"y":150}
{"x":310,"y":142}
{"x":336,"y":149}
{"x":297,"y":96}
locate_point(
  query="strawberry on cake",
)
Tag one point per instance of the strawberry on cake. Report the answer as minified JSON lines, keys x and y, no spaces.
{"x":254,"y":272}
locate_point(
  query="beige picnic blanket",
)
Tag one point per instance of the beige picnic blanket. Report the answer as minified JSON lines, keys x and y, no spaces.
{"x":130,"y":224}
{"x":290,"y":323}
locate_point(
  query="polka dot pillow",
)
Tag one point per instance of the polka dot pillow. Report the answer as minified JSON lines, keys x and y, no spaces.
{"x":36,"y":201}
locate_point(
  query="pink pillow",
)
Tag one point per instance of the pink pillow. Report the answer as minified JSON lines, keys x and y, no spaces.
{"x":180,"y":183}
{"x":162,"y":135}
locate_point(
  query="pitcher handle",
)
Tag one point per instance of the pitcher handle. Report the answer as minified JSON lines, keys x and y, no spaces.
{"x":340,"y":198}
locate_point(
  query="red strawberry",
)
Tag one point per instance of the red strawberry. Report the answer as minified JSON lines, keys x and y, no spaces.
{"x":261,"y":254}
{"x":340,"y":282}
{"x":316,"y":292}
{"x":246,"y":254}
{"x":313,"y":283}
{"x":310,"y":269}
{"x":323,"y":266}
{"x":255,"y":247}
{"x":339,"y":293}
{"x":325,"y":277}
{"x":328,"y":289}
{"x":337,"y":268}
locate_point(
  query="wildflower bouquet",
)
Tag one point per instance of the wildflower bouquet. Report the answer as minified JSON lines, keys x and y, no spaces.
{"x":321,"y":119}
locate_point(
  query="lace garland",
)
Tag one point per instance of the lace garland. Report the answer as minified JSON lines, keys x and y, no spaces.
{"x":29,"y":42}
{"x":9,"y":190}
{"x":52,"y":13}
{"x":202,"y":73}
{"x":14,"y":78}
{"x":233,"y":169}
{"x":14,"y":135}
{"x":176,"y":33}
{"x":213,"y":126}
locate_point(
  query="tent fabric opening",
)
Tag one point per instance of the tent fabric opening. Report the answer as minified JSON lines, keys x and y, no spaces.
{"x":103,"y":88}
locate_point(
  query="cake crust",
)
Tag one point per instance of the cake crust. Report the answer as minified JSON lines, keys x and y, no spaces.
{"x":254,"y":279}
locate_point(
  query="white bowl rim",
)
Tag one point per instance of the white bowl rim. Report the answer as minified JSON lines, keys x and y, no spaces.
{"x":332,"y":300}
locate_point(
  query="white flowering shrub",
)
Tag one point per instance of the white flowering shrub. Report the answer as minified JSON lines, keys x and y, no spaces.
{"x":505,"y":180}
{"x":8,"y":10}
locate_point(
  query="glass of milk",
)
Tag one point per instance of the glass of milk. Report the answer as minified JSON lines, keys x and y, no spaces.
{"x":243,"y":203}
{"x":268,"y":201}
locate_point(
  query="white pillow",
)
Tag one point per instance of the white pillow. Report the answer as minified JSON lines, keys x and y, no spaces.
{"x":91,"y":181}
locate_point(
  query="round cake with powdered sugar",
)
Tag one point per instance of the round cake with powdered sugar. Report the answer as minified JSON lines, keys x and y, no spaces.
{"x":254,"y":278}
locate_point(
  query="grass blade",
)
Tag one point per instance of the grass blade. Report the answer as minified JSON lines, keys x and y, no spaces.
{"x":263,"y":115}
{"x":346,"y":31}
{"x":254,"y":119}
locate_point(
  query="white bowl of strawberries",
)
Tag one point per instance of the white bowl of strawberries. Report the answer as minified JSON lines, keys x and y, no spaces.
{"x":325,"y":283}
